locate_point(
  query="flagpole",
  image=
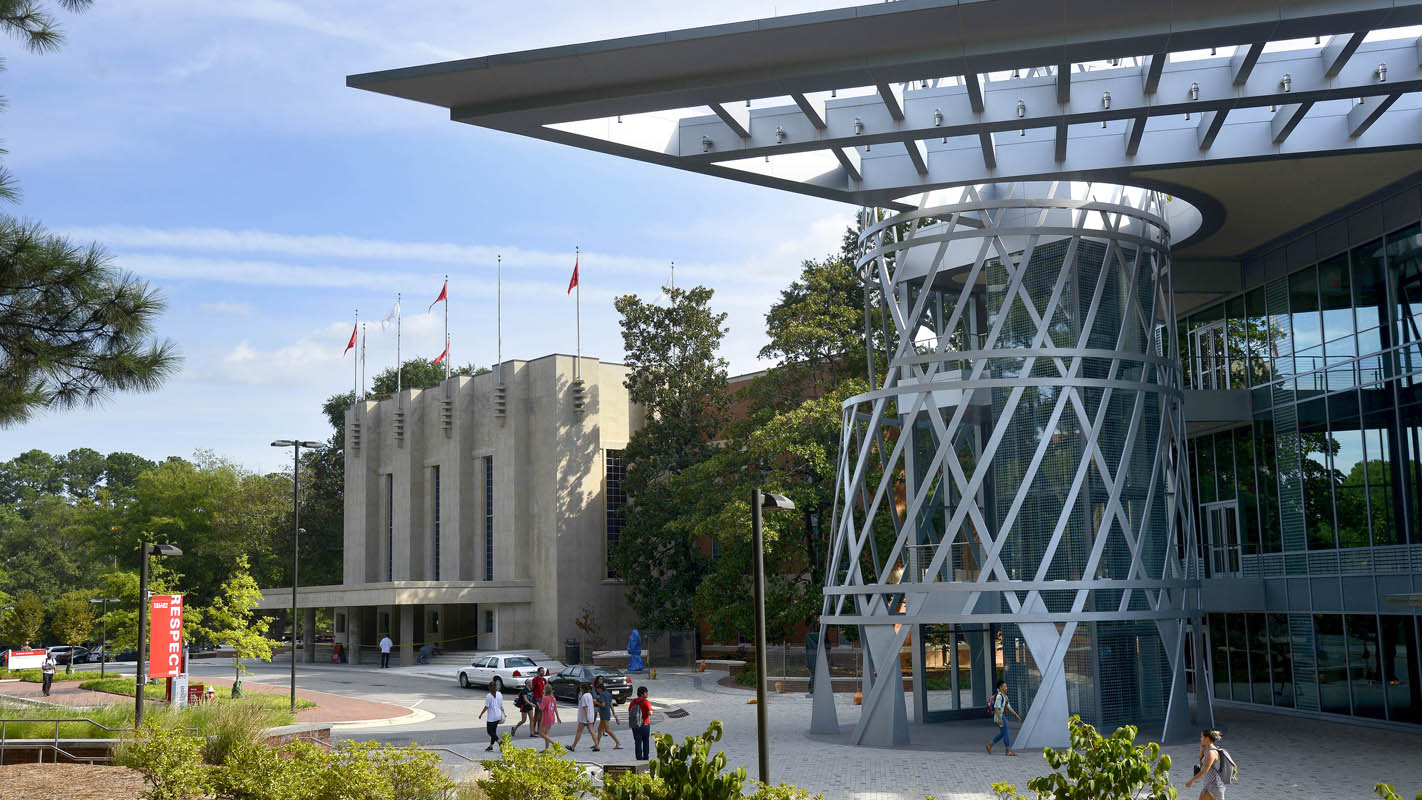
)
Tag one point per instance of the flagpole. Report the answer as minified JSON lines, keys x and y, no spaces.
{"x":499,"y":301}
{"x":355,"y":388}
{"x":362,"y":363}
{"x":398,"y":364}
{"x":447,"y":327}
{"x":578,"y":305}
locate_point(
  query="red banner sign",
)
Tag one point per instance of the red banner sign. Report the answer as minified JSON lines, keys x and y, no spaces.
{"x":165,"y":636}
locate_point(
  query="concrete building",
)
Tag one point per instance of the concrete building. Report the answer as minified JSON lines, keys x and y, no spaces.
{"x":1150,"y":279}
{"x":479,"y":513}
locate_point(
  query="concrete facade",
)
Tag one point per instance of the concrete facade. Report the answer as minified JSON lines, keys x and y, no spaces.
{"x":476,"y":512}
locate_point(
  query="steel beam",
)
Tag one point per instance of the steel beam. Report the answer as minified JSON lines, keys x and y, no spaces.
{"x":1153,"y":70}
{"x":1286,"y":118}
{"x":1339,"y":49}
{"x":1063,"y":83}
{"x":974,"y":88}
{"x":814,"y":112}
{"x":893,"y":96}
{"x":1209,"y":127}
{"x":1241,"y":64}
{"x":1364,"y":114}
{"x":1135,"y":129}
{"x":1059,"y":152}
{"x":918,"y":155}
{"x":989,"y":149}
{"x":850,"y":160}
{"x":737,"y":119}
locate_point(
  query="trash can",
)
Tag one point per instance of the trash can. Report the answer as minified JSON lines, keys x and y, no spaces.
{"x":572,"y":652}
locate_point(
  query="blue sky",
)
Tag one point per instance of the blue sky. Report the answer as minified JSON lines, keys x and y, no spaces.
{"x":215,"y":150}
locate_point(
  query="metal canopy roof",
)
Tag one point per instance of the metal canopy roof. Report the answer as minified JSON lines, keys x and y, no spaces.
{"x":872,"y":104}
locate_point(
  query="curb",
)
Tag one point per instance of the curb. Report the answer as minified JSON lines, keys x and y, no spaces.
{"x":415,"y":715}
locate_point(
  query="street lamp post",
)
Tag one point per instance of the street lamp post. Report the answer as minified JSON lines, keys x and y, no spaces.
{"x":296,"y":531}
{"x":762,"y":501}
{"x":104,"y":638}
{"x":142,"y":666}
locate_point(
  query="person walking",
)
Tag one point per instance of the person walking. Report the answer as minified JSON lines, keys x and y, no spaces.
{"x":528,"y":712}
{"x":1000,"y":707}
{"x":385,"y":645}
{"x":602,"y":700}
{"x":540,"y":687}
{"x":47,"y":670}
{"x":639,"y":717}
{"x":587,"y":714}
{"x":1207,"y":769}
{"x":547,"y":715}
{"x":494,"y":706}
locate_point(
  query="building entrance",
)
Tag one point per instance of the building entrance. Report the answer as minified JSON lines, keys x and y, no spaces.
{"x":1222,"y":538}
{"x":960,"y":664}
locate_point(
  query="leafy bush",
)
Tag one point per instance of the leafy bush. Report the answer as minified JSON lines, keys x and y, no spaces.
{"x":1100,"y":768}
{"x":168,"y":758}
{"x":258,"y":772}
{"x":414,"y":773}
{"x":690,"y":770}
{"x":528,"y":774}
{"x":228,"y":726}
{"x":1388,"y":792}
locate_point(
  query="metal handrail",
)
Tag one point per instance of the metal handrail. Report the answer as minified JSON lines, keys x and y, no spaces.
{"x":54,"y":744}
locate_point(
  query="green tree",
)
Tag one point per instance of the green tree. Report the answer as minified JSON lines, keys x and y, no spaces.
{"x":121,"y":470}
{"x":528,"y":774}
{"x":677,"y":376}
{"x":229,"y":620}
{"x":83,"y":470}
{"x":20,"y":626}
{"x":73,"y":329}
{"x":73,"y":621}
{"x":1098,"y":767}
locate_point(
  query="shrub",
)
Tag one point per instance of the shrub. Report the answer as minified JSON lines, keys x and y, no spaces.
{"x":253,"y":771}
{"x":690,"y":770}
{"x":527,"y":774}
{"x":1102,"y":767}
{"x":229,"y":725}
{"x":168,"y":758}
{"x":414,"y":773}
{"x":1388,"y":792}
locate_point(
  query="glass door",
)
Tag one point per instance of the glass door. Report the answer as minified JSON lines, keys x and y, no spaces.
{"x":1222,"y":538}
{"x":960,"y":665}
{"x":1208,"y":344}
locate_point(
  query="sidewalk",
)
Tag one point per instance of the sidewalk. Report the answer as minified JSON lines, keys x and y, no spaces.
{"x":63,"y":693}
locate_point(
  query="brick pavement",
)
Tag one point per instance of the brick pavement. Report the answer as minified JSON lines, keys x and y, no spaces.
{"x":1279,"y":756}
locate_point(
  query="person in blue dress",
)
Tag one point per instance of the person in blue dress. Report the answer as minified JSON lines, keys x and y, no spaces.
{"x":634,"y":652}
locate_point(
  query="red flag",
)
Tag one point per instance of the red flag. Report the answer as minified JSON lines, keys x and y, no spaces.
{"x":574,"y":281}
{"x":443,"y":295}
{"x":441,"y":355}
{"x":351,"y":343}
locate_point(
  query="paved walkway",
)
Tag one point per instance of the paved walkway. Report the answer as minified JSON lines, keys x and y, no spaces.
{"x":1279,"y":757}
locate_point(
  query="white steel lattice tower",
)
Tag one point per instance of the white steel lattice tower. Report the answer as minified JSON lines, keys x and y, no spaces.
{"x":1012,"y":484}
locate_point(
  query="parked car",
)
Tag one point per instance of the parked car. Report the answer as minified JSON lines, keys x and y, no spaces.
{"x":567,"y":683}
{"x":62,"y":653}
{"x":95,"y":655}
{"x":126,"y":655}
{"x":512,"y":669}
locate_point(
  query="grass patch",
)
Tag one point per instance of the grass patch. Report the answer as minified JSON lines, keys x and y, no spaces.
{"x":35,"y":676}
{"x":157,"y":691}
{"x":220,"y":719}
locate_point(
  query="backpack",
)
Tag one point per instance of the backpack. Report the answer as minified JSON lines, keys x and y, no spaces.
{"x":634,"y":715}
{"x":1226,"y":766}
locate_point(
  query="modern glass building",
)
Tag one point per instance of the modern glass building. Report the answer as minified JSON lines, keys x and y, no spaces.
{"x":1310,"y":504}
{"x":1146,"y":277}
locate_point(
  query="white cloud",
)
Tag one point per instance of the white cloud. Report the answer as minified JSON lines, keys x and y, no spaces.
{"x":243,"y":352}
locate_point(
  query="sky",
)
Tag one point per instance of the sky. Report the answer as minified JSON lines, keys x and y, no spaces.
{"x":214,"y":150}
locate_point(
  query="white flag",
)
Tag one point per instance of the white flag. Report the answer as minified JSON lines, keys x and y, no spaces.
{"x":393,"y":316}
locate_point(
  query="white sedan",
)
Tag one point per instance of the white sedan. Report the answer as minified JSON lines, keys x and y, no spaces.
{"x":511,"y":669}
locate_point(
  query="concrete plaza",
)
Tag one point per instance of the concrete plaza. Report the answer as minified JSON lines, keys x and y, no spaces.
{"x":1279,"y":756}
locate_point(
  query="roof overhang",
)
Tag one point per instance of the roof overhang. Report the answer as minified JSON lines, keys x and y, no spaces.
{"x":877,"y":104}
{"x":399,"y":593}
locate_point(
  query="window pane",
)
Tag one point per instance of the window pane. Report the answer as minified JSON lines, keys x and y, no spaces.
{"x":1224,"y":465}
{"x":1265,"y":465}
{"x":1248,"y":490}
{"x":1259,"y":659}
{"x":1365,"y":666}
{"x":1349,"y":469}
{"x":1280,"y":660}
{"x":1380,"y":428}
{"x":1205,"y":466}
{"x":1332,"y":663}
{"x":1400,"y":666}
{"x":1281,"y":342}
{"x":1239,"y":657}
{"x":1307,"y":324}
{"x":1369,"y":296}
{"x":1257,"y":337}
{"x":1410,"y":432}
{"x":1317,"y":479}
{"x":1404,"y":267}
{"x":1219,"y":658}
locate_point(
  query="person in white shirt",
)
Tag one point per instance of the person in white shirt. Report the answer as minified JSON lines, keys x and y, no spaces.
{"x":494,"y":706}
{"x":385,"y":645}
{"x":47,"y":670}
{"x":587,"y":717}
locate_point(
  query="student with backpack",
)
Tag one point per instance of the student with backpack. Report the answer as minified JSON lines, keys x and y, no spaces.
{"x":528,"y":712}
{"x":999,"y":706}
{"x":639,"y":718}
{"x":1216,"y":768}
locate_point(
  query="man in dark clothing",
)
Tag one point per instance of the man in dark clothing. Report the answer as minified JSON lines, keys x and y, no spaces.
{"x":639,"y":717}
